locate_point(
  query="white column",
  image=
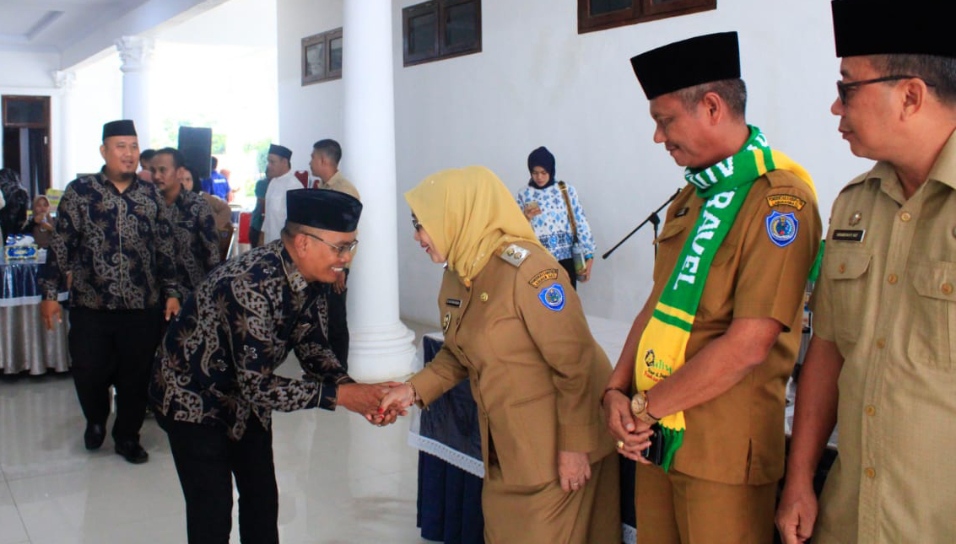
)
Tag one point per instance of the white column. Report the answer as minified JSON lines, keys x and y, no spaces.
{"x":381,"y":346}
{"x":63,"y":134}
{"x":136,"y":54}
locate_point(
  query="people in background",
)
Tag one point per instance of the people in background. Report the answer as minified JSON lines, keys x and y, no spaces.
{"x":557,"y":216}
{"x":113,"y":233}
{"x":14,"y":213}
{"x":214,"y":384}
{"x":221,"y":211}
{"x":515,"y":327}
{"x":195,"y":238}
{"x":41,"y":224}
{"x":217,"y":184}
{"x":712,"y":349}
{"x":258,"y":213}
{"x":282,"y":180}
{"x":324,"y":164}
{"x":147,"y":155}
{"x":881,"y":364}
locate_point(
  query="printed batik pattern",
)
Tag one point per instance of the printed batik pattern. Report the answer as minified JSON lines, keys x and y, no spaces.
{"x":196,"y":239}
{"x":217,"y":363}
{"x":119,"y":246}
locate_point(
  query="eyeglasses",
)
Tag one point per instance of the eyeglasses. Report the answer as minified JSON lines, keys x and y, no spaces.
{"x":416,"y":224}
{"x":339,"y":250}
{"x":843,"y":87}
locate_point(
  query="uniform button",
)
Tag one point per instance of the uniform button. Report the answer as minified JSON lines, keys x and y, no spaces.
{"x":906,"y":216}
{"x":881,"y":343}
{"x":484,"y":297}
{"x":946,"y":288}
{"x":870,"y":410}
{"x":842,"y":268}
{"x":892,"y":279}
{"x":870,"y":472}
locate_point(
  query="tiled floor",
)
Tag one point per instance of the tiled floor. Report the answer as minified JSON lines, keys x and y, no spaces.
{"x":341,"y":480}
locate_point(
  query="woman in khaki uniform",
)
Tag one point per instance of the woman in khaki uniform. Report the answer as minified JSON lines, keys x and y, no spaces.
{"x":515,"y":327}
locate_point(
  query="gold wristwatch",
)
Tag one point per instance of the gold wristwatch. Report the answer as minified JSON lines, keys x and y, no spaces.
{"x":639,"y":408}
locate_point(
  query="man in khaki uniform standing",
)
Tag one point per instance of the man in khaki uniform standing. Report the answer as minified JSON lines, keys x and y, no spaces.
{"x":711,"y":351}
{"x":326,"y":155}
{"x":882,"y":359}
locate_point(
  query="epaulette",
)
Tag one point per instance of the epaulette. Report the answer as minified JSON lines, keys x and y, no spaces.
{"x":514,"y":255}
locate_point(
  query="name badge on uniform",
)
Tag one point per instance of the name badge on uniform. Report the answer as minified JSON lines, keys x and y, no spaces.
{"x":453,"y":302}
{"x":849,"y":235}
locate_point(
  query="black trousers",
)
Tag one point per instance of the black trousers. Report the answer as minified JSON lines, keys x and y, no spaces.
{"x":568,"y":265}
{"x":114,"y":348}
{"x":338,"y":326}
{"x":206,"y":461}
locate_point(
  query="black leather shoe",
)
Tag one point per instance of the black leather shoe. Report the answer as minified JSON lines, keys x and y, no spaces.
{"x":94,"y":436}
{"x":132,"y":452}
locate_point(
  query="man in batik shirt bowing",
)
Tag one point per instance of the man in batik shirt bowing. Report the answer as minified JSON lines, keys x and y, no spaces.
{"x":214,"y":384}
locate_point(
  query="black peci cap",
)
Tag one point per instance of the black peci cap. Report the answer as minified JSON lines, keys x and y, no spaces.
{"x":281,"y":151}
{"x":323,"y":209}
{"x":123,"y":127}
{"x":880,"y":27}
{"x":687,"y":63}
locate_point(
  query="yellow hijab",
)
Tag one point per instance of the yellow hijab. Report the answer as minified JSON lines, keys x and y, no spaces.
{"x":468,"y":213}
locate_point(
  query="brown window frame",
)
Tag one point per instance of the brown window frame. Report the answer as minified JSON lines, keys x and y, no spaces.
{"x":45,"y":100}
{"x":324,"y":38}
{"x":641,"y":11}
{"x":439,"y":50}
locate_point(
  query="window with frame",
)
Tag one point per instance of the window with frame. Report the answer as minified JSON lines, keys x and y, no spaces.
{"x":322,"y":57}
{"x":440,"y":29}
{"x":602,"y":14}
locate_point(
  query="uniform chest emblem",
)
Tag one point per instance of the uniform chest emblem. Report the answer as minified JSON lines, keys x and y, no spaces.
{"x":552,"y":297}
{"x":782,"y":228}
{"x":445,"y":321}
{"x":855,"y":218}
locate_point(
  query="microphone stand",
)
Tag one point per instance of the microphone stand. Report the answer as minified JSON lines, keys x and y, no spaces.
{"x":653,"y":219}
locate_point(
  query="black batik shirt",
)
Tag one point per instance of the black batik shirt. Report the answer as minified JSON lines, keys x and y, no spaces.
{"x":216,"y":365}
{"x":119,"y":247}
{"x":196,"y":239}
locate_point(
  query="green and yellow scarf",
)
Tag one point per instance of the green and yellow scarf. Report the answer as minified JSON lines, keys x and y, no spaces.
{"x":724,"y":187}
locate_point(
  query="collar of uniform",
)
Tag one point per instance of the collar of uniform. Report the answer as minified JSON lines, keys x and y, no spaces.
{"x":944,"y":169}
{"x":296,"y":281}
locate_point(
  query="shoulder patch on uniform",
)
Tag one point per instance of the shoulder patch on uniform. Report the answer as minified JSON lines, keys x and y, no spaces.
{"x":552,"y":297}
{"x":543,"y":276}
{"x":786,"y":200}
{"x":514,"y":255}
{"x":782,"y":228}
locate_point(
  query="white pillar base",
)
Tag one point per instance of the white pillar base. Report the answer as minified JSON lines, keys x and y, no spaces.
{"x":383,"y":352}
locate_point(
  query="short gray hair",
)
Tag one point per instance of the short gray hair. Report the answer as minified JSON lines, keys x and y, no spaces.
{"x":732,"y":91}
{"x":938,"y":72}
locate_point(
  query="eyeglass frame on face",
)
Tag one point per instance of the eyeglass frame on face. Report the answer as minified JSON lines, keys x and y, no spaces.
{"x":339,"y":250}
{"x":843,"y":87}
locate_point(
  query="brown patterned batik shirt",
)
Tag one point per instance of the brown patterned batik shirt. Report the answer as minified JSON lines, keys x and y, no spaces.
{"x":216,"y":365}
{"x":119,"y":246}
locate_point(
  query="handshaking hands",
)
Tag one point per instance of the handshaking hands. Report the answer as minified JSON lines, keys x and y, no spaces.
{"x":379,"y":403}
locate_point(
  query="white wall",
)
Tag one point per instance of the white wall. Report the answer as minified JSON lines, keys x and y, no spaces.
{"x":538,"y":82}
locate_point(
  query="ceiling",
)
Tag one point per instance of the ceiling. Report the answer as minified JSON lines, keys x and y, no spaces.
{"x":80,"y":30}
{"x":52,"y":26}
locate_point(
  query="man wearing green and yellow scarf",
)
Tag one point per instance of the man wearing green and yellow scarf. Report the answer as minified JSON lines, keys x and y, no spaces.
{"x":706,"y":362}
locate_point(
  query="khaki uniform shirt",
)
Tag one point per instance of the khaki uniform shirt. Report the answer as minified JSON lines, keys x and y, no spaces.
{"x":536,"y":372}
{"x":738,"y":437}
{"x":887,"y":298}
{"x":340,"y":184}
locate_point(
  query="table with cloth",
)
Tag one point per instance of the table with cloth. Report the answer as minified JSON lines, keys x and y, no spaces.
{"x":25,"y":345}
{"x":450,"y":470}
